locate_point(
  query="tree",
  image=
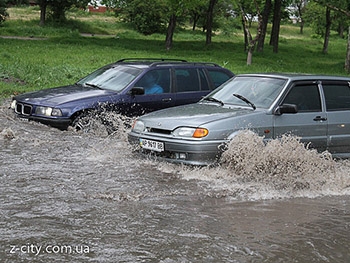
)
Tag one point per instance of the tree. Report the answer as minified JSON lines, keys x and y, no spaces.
{"x":275,"y":32}
{"x":175,"y":10}
{"x":170,"y":32}
{"x":341,"y":6}
{"x":249,"y":40}
{"x":3,"y":12}
{"x":210,"y":17}
{"x":43,"y":6}
{"x":197,"y":10}
{"x":58,"y":8}
{"x":315,"y":16}
{"x":264,"y":22}
{"x":328,"y":30}
{"x":298,"y":9}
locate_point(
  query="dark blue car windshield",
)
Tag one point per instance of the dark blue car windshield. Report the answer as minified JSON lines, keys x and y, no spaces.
{"x":260,"y":91}
{"x":112,"y":78}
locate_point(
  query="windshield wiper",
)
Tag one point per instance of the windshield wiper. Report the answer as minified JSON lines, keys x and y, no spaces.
{"x":245,"y":100}
{"x":93,"y":85}
{"x":214,"y":100}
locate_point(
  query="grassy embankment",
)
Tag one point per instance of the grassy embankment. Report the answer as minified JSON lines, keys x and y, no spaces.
{"x":53,"y":56}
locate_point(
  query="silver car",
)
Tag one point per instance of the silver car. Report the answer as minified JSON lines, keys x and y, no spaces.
{"x":314,"y":108}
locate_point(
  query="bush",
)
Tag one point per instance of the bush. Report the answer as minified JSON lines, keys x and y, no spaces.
{"x":147,"y":16}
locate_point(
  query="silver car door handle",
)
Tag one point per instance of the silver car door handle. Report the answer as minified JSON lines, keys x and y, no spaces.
{"x":166,"y":99}
{"x":319,"y":118}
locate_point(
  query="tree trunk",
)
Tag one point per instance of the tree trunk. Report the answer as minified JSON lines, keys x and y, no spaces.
{"x":301,"y":26}
{"x":347,"y":61}
{"x":264,"y":22}
{"x":250,"y":56}
{"x":300,"y":7}
{"x":245,"y":34}
{"x":43,"y":6}
{"x":195,"y":18}
{"x":328,"y":31}
{"x":170,"y":32}
{"x":250,"y":41}
{"x":276,"y":25}
{"x":210,"y":15}
{"x":341,"y":30}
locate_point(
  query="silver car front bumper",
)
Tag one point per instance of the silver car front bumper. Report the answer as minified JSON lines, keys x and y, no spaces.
{"x":192,"y":152}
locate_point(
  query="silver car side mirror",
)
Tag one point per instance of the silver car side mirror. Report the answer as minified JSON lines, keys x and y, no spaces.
{"x":286,"y":108}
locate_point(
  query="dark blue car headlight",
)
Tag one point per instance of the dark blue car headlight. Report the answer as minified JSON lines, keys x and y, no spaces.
{"x":48,"y":111}
{"x":13,"y":104}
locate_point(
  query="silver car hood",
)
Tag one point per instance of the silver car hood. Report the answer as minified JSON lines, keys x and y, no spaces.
{"x":192,"y":115}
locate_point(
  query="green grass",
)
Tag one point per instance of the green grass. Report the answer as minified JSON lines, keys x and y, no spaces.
{"x":63,"y":56}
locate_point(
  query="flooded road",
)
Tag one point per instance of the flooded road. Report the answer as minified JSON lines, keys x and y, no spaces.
{"x":71,"y":197}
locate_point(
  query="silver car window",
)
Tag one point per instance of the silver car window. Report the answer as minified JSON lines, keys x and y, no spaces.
{"x":262,"y":92}
{"x":337,"y":96}
{"x":306,"y":97}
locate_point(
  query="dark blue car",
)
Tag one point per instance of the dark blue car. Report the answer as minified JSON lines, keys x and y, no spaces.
{"x":130,"y":87}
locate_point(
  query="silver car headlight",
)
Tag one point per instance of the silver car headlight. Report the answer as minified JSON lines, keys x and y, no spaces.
{"x":138,"y":126}
{"x":189,"y":132}
{"x":48,"y":111}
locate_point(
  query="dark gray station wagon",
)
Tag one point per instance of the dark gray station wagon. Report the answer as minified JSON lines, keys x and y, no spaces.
{"x":130,"y":87}
{"x":314,"y":108}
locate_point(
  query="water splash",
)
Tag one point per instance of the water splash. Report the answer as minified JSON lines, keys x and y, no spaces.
{"x":253,"y":169}
{"x":7,"y":133}
{"x":286,"y":161}
{"x":103,"y":123}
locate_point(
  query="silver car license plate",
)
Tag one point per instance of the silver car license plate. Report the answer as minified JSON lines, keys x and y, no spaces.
{"x":152,"y":145}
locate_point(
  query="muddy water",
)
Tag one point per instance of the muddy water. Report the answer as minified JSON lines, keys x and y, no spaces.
{"x":71,"y":197}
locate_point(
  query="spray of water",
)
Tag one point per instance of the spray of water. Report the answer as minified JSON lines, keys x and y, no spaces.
{"x":103,"y":123}
{"x":253,"y":169}
{"x":286,"y":161}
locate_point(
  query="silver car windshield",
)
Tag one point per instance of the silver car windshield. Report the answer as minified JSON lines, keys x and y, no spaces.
{"x":112,"y":78}
{"x":260,"y":91}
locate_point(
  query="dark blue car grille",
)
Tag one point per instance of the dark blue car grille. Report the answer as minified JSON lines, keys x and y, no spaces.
{"x":23,"y":109}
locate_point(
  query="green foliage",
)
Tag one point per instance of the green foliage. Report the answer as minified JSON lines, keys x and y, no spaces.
{"x":18,"y":2}
{"x":148,"y":16}
{"x":59,"y":7}
{"x":315,"y":16}
{"x":3,"y":12}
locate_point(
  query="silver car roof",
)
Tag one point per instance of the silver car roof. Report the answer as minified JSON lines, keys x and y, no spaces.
{"x":296,"y":76}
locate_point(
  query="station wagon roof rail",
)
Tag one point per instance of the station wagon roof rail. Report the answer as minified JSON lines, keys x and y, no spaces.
{"x":165,"y":61}
{"x":150,"y":59}
{"x":194,"y":64}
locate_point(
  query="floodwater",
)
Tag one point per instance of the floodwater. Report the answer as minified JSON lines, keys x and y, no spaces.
{"x":73,"y":197}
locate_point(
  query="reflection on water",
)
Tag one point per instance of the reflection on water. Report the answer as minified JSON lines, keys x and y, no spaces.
{"x":76,"y":197}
